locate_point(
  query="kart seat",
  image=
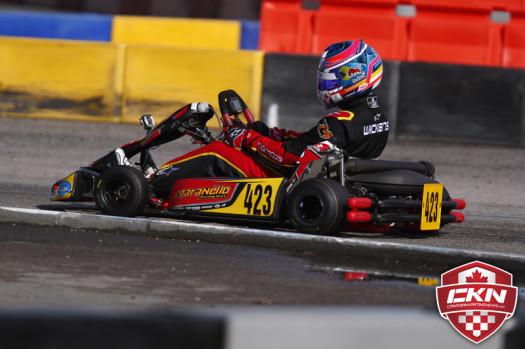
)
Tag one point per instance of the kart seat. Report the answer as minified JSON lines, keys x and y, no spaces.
{"x":356,"y":166}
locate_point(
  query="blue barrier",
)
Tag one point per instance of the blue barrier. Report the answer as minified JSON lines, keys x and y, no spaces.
{"x":87,"y":26}
{"x":250,"y":35}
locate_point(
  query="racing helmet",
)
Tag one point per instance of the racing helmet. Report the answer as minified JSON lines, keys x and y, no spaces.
{"x":347,"y":69}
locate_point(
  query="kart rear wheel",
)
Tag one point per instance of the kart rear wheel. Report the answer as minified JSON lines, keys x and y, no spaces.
{"x":121,"y":191}
{"x":316,"y":206}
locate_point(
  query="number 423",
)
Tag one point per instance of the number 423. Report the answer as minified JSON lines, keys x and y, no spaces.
{"x":259,"y":200}
{"x":431,"y":206}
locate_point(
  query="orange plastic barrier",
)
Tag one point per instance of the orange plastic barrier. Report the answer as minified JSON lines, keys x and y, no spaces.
{"x":448,"y":31}
{"x":374,"y":20}
{"x":514,"y":45}
{"x":507,"y":5}
{"x":449,"y":6}
{"x":386,"y":34}
{"x":454,"y":41}
{"x":360,"y":3}
{"x":285,"y":27}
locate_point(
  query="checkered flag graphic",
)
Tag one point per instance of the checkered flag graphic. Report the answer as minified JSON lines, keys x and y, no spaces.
{"x":476,"y":322}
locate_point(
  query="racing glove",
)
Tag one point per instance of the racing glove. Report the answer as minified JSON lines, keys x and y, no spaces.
{"x":241,"y":137}
{"x":269,"y":148}
{"x":236,"y":134}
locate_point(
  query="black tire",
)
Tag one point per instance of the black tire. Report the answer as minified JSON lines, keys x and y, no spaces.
{"x":317,"y":206}
{"x":121,"y":191}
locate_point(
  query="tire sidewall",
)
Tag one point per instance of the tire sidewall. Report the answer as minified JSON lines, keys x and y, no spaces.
{"x":333,"y":197}
{"x":135,"y":183}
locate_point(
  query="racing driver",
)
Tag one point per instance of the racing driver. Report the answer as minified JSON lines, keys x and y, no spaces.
{"x":348,"y":72}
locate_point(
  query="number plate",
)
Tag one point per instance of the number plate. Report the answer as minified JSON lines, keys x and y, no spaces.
{"x":431,"y":206}
{"x":253,"y":197}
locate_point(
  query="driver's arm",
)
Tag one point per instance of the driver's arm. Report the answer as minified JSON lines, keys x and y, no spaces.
{"x":287,"y":153}
{"x":275,"y":133}
{"x":270,"y":149}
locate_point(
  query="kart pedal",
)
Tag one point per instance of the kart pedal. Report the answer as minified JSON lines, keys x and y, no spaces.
{"x":158,"y":203}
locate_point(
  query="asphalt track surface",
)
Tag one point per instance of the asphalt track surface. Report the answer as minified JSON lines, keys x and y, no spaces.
{"x":53,"y":266}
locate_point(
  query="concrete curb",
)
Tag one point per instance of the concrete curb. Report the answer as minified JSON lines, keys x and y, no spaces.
{"x":337,"y":249}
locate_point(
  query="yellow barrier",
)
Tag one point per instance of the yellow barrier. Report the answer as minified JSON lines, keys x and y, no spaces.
{"x":118,"y":82}
{"x":161,"y":79}
{"x":60,"y":79}
{"x":204,"y":33}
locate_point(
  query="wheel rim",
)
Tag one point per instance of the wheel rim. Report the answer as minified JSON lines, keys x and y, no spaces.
{"x":310,"y":208}
{"x":117,"y":192}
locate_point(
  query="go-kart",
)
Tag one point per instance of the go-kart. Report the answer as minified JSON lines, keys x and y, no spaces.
{"x":328,"y":192}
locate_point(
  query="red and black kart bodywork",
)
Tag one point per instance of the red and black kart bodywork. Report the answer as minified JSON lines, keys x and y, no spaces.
{"x":328,"y":192}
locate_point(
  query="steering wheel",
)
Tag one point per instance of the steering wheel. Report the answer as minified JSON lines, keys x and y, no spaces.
{"x":231,"y":106}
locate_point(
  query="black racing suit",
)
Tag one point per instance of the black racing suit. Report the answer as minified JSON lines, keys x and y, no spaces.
{"x":360,"y":128}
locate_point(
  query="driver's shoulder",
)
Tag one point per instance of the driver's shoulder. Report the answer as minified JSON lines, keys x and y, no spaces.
{"x":341,"y":115}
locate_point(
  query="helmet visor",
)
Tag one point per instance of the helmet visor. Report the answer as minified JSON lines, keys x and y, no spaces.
{"x":327,"y":81}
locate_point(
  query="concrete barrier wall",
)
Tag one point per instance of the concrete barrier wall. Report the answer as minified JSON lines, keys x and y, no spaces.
{"x":60,"y":79}
{"x":462,"y":103}
{"x":290,"y":95}
{"x":117,"y":82}
{"x":176,"y":31}
{"x":422,"y":100}
{"x":161,"y":79}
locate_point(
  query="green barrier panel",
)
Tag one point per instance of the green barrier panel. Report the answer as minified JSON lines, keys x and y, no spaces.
{"x":161,"y":79}
{"x":205,"y":33}
{"x":60,"y":79}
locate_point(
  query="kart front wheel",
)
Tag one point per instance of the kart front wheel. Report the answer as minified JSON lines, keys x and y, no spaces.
{"x":316,"y":206}
{"x":121,"y":191}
